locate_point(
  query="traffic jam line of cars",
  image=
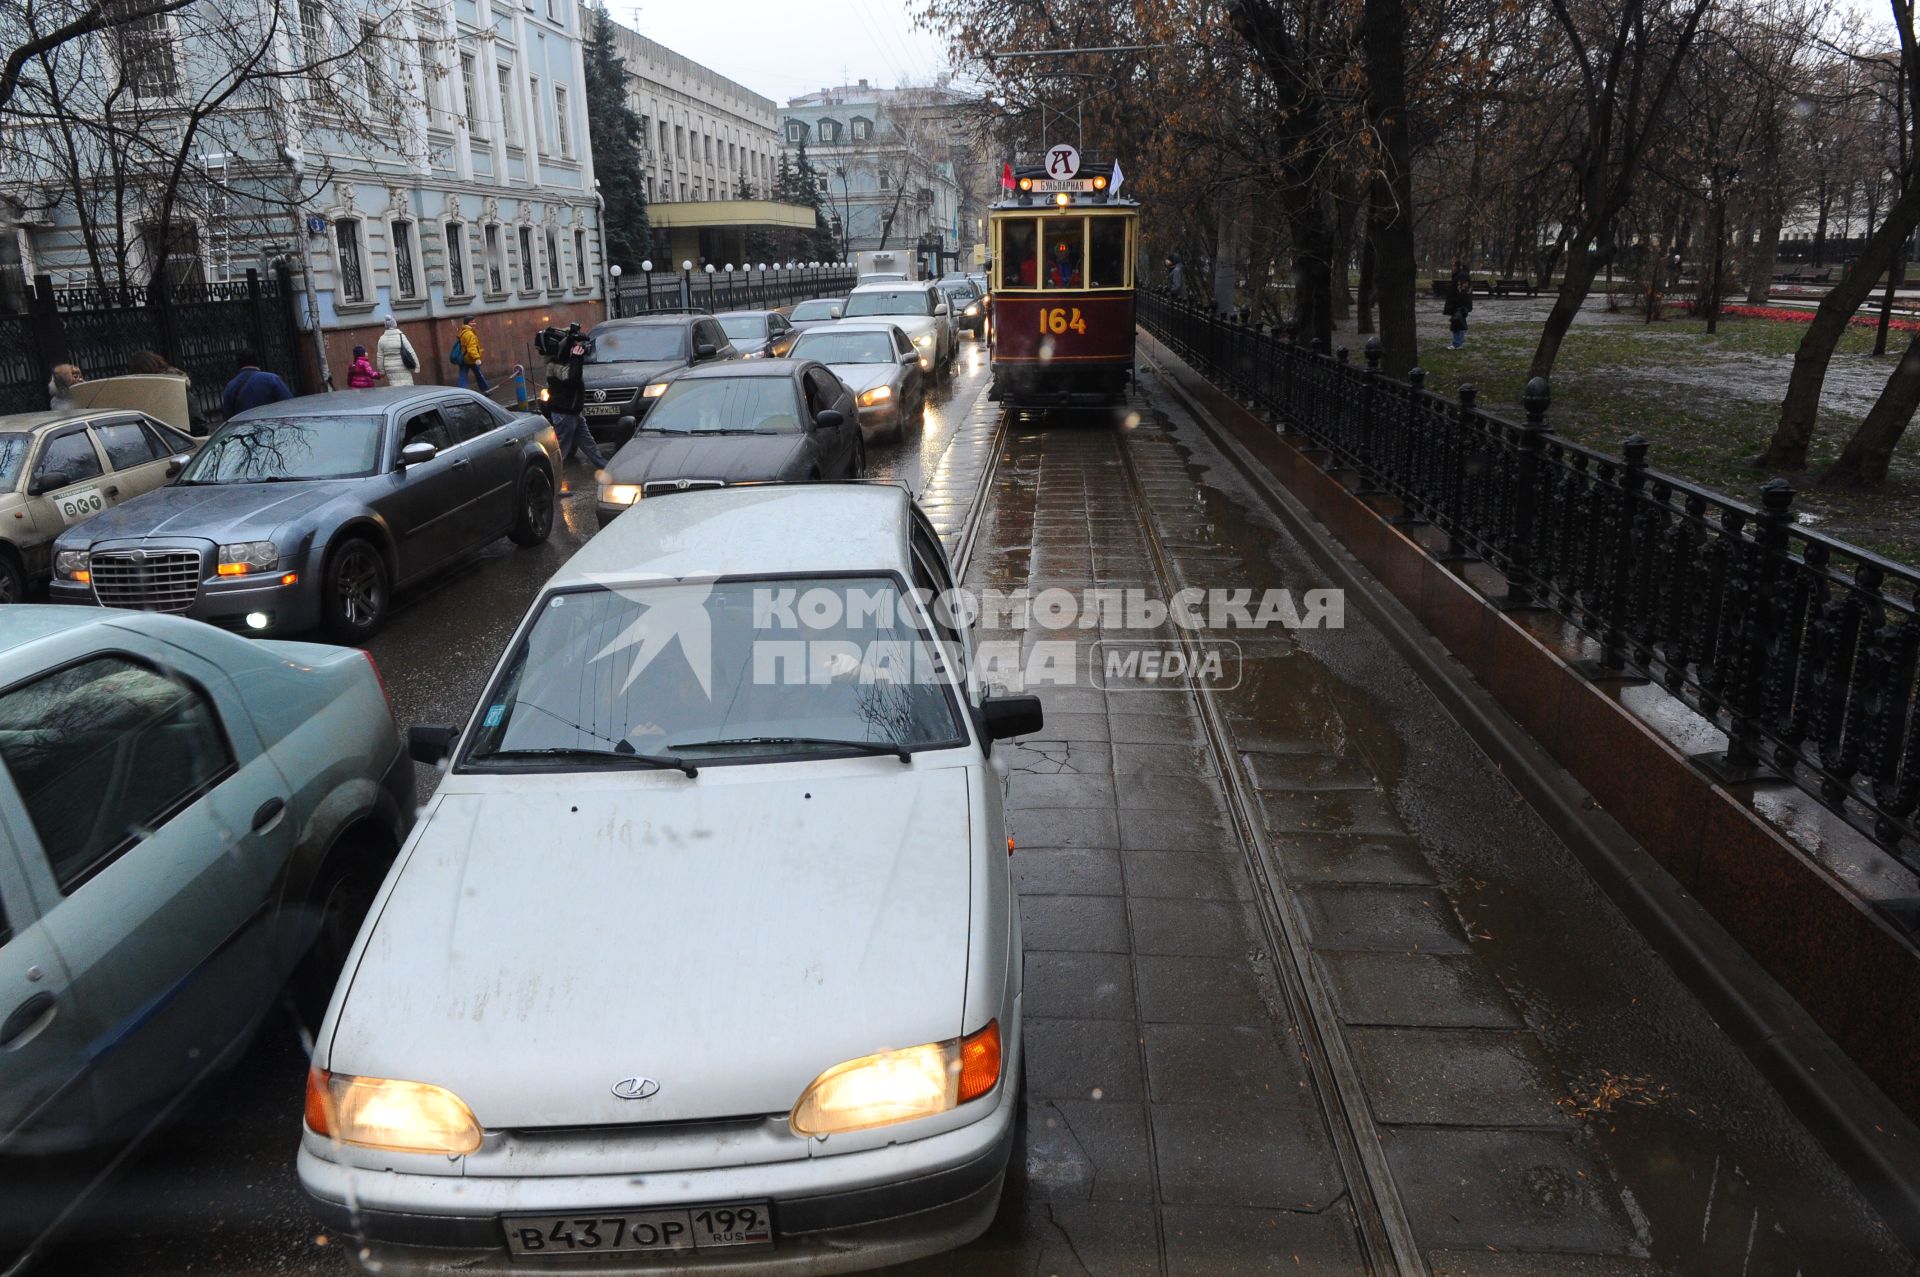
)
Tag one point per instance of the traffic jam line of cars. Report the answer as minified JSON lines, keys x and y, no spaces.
{"x":197,"y":818}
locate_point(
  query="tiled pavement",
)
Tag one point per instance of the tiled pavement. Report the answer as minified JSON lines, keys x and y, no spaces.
{"x":1175,"y":1122}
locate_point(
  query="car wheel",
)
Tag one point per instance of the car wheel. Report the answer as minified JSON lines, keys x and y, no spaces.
{"x":533,"y":521}
{"x":340,"y":900}
{"x":13,"y":580}
{"x":355,"y":592}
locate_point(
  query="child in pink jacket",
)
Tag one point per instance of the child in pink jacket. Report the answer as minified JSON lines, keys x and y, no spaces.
{"x":362,"y":374}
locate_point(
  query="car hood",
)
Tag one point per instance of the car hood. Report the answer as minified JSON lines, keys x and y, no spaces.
{"x":730,"y":458}
{"x":861,"y":377}
{"x":595,"y":376}
{"x":911,"y":325}
{"x":218,"y":512}
{"x":728,"y":937}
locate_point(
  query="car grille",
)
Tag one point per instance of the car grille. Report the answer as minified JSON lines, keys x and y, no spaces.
{"x":148,"y":580}
{"x":667,"y":487}
{"x":609,"y":401}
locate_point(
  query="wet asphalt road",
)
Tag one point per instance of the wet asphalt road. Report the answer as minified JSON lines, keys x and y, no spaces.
{"x":1216,"y":899}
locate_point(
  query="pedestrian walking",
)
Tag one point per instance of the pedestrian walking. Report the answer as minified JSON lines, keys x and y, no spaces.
{"x":361,"y":374}
{"x":1177,"y":278}
{"x":251,"y":387}
{"x":60,"y":385}
{"x":467,"y":355}
{"x":1459,"y":304}
{"x":567,"y":394}
{"x":394,"y":355}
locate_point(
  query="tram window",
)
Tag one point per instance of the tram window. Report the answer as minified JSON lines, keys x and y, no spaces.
{"x":1107,"y":253}
{"x":1063,"y":251}
{"x":1019,"y":251}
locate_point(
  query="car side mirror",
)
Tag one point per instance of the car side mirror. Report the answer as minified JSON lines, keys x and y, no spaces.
{"x":1005,"y":716}
{"x":833,"y":312}
{"x":940,"y":309}
{"x":175,"y":464}
{"x":48,"y":481}
{"x":705,"y":350}
{"x":629,"y":422}
{"x":828,"y":419}
{"x":419,"y":452}
{"x":431,"y":743}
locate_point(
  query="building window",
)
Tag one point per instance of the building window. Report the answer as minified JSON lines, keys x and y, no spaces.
{"x":579,"y":258}
{"x":862,"y":130}
{"x":706,"y":144}
{"x":528,"y":280}
{"x":353,"y":283}
{"x":680,"y":141}
{"x":470,"y":91}
{"x":508,"y":132}
{"x":457,"y":259}
{"x":683,"y":192}
{"x":562,"y":133}
{"x":829,"y":132}
{"x":712,"y":192}
{"x":313,"y":45}
{"x":886,"y":181}
{"x":496,"y":265}
{"x":796,"y":131}
{"x":143,"y":46}
{"x":663,"y":141}
{"x":539,"y":129}
{"x":403,"y":280}
{"x":373,"y":78}
{"x":553,"y":260}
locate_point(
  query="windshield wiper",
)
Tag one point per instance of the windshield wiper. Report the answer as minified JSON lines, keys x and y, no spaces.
{"x":901,"y":752}
{"x":622,"y":753}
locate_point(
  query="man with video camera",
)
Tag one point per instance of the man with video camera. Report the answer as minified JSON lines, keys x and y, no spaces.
{"x":566,"y":393}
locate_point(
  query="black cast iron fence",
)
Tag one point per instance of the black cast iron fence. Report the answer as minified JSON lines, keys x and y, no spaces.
{"x":721,"y":290}
{"x":1803,"y":649}
{"x":202,"y":329}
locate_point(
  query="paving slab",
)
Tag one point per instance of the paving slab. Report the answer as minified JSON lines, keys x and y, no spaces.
{"x":1456,"y":1077}
{"x":1186,"y":875}
{"x":1387,"y":918}
{"x":1440,"y":990}
{"x":1223,"y":1064}
{"x":1084,"y":923}
{"x":1271,"y":1155}
{"x":1079,"y":985}
{"x":1079,"y":871}
{"x":1216,"y":1241}
{"x":1511,"y":1189}
{"x":1083,"y":1059}
{"x":1180,"y":989}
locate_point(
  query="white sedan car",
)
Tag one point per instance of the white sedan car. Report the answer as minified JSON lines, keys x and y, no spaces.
{"x":706,"y":952}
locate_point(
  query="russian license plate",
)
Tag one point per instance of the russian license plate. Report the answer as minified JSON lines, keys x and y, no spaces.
{"x":616,"y":1232}
{"x":605,"y":409}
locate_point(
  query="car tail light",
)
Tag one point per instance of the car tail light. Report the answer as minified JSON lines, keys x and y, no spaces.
{"x":381,"y":679}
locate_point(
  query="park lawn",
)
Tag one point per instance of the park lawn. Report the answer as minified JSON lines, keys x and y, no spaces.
{"x":1706,"y":403}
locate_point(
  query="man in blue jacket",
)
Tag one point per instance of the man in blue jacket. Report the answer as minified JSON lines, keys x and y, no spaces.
{"x":251,"y":387}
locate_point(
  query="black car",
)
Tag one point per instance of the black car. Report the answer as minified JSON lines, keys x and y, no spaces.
{"x":632,"y":361}
{"x":758,"y":334}
{"x":965,"y":304}
{"x":754,"y":422}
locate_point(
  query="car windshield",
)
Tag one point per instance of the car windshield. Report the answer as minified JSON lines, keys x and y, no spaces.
{"x":845,"y":348}
{"x":744,"y":327}
{"x":962,"y":289}
{"x":707,"y":671}
{"x":822,"y":309}
{"x":721,"y":405}
{"x":629,"y":345}
{"x":288,"y":448}
{"x":890,"y":301}
{"x":13,"y":455}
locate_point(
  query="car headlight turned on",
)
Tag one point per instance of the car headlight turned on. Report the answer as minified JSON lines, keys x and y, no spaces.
{"x":923,"y":341}
{"x":73,"y":565}
{"x":546,"y":395}
{"x":974,"y":309}
{"x":405,"y":1117}
{"x":899,"y":1086}
{"x":879,"y":394}
{"x":619,"y":493}
{"x":246,"y":557}
{"x":654,"y":390}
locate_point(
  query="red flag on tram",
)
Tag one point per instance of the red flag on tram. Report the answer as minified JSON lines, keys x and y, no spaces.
{"x":1006,"y":175}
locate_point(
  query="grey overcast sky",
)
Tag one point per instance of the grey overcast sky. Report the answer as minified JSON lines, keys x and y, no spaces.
{"x":781,"y":48}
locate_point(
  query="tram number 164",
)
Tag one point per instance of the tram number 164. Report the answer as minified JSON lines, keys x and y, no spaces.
{"x":1058,"y":319}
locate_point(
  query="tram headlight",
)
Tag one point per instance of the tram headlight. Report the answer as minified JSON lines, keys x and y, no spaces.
{"x":1026,"y":183}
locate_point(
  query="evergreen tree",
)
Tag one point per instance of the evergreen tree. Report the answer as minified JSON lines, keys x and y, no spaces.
{"x":820,"y":243}
{"x":613,"y":131}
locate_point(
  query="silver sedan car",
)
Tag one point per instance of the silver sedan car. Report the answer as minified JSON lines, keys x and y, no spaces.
{"x":705,"y":954}
{"x":879,"y":365}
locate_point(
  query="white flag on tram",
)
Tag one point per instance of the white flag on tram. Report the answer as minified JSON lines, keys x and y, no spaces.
{"x":1113,"y":183}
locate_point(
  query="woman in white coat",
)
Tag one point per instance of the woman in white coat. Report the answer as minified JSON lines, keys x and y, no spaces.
{"x":394,"y":355}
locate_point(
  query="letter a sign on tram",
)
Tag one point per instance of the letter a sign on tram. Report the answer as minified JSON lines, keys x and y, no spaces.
{"x":1062,"y":162}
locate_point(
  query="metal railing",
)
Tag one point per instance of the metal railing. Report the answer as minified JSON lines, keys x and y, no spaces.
{"x":1803,"y":649}
{"x":722,"y":290}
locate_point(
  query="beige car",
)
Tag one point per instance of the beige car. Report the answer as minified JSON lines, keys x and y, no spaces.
{"x":58,"y":468}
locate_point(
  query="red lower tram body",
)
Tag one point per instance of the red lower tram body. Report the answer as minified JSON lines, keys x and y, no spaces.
{"x":1063,"y":348}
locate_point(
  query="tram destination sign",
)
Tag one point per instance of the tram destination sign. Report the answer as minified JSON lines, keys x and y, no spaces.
{"x":1053,"y":186}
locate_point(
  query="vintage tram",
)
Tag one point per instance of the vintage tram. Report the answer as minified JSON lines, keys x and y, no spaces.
{"x":1062,"y":281}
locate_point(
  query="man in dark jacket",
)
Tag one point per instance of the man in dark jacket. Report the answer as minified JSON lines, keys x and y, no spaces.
{"x":1459,"y":303}
{"x":566,"y":396}
{"x":251,"y":387}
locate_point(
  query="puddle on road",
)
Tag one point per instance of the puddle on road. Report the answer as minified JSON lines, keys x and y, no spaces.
{"x":1715,"y":1175}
